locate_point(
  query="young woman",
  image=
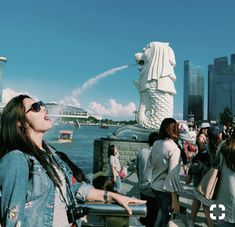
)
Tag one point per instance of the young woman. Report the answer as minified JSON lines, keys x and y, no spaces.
{"x":115,"y":166}
{"x":165,"y":161}
{"x":198,"y":167}
{"x":37,"y":187}
{"x":202,"y":138}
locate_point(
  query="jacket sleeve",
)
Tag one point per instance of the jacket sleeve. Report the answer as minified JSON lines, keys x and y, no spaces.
{"x":14,"y":176}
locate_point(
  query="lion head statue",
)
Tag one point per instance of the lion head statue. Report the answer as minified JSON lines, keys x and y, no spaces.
{"x":157,"y":62}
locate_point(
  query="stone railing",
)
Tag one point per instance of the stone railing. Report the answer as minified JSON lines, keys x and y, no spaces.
{"x":127,"y":150}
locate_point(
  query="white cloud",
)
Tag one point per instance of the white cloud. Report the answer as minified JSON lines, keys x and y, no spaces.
{"x":69,"y":101}
{"x":113,"y":109}
{"x":8,"y":94}
{"x":73,"y":98}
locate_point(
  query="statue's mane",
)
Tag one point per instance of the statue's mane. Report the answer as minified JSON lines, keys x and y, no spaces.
{"x":159,"y":60}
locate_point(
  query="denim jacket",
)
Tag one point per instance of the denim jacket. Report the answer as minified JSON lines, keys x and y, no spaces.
{"x":28,"y":194}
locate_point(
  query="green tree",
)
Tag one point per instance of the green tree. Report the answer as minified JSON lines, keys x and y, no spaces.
{"x":93,"y":119}
{"x":226,"y":117}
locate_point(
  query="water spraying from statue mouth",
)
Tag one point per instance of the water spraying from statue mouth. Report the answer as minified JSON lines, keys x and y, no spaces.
{"x":91,"y":82}
{"x":73,"y":99}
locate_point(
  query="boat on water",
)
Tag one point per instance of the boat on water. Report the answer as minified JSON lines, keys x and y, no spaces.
{"x":65,"y":136}
{"x":104,"y":125}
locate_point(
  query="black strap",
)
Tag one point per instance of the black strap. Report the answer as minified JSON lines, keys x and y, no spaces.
{"x":71,"y":195}
{"x":217,"y":163}
{"x":30,"y":164}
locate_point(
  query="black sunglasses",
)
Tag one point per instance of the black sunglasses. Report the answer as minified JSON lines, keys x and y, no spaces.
{"x":36,"y":107}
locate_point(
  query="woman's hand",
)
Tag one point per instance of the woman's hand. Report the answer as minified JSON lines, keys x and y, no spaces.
{"x":175,"y":204}
{"x":99,"y":195}
{"x":125,"y":201}
{"x":114,"y":179}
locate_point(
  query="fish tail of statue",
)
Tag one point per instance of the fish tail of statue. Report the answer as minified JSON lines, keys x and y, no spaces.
{"x":162,"y":108}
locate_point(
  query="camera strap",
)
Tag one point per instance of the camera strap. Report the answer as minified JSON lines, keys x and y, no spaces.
{"x":69,"y":207}
{"x":67,"y":184}
{"x":74,"y":212}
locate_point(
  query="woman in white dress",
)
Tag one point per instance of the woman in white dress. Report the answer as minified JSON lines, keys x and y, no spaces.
{"x":115,"y":166}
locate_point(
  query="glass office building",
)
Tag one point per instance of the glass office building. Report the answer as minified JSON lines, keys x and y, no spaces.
{"x":221,"y":87}
{"x":3,"y":60}
{"x":193,"y":91}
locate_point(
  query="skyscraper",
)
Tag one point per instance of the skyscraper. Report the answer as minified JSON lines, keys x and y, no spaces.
{"x":193,"y":91}
{"x":221,"y":87}
{"x":3,"y":60}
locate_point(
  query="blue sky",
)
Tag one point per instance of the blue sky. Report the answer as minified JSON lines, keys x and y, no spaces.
{"x":55,"y":47}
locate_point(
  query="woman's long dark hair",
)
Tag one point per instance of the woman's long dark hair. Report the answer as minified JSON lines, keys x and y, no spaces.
{"x":14,"y":136}
{"x":111,"y":150}
{"x":77,"y":172}
{"x":169,"y":129}
{"x":228,"y":151}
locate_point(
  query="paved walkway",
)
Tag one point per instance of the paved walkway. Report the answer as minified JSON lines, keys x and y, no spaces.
{"x":130,"y":188}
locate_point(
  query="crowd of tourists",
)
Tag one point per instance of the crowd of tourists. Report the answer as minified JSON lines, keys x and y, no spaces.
{"x":41,"y":186}
{"x":195,"y":150}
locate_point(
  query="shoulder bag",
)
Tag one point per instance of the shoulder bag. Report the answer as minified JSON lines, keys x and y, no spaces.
{"x":208,"y":183}
{"x":122,"y":174}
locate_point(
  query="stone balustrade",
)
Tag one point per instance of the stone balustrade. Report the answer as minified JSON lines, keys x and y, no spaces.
{"x":127,"y":149}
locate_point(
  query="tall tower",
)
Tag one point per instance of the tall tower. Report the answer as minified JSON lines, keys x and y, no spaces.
{"x":3,"y":60}
{"x":193,"y":91}
{"x":221,"y":87}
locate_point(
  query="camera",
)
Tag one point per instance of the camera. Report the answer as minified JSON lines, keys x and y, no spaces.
{"x":74,"y":213}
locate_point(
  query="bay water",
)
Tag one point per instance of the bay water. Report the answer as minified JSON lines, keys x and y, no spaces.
{"x":80,"y":150}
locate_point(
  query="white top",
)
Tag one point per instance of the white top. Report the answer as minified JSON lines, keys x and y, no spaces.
{"x":60,"y":215}
{"x":144,"y":172}
{"x":165,"y":160}
{"x":114,"y":162}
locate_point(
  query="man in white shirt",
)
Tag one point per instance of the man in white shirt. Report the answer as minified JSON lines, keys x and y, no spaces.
{"x":144,"y":173}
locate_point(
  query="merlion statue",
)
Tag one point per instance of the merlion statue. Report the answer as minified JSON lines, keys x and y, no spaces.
{"x":156,"y":84}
